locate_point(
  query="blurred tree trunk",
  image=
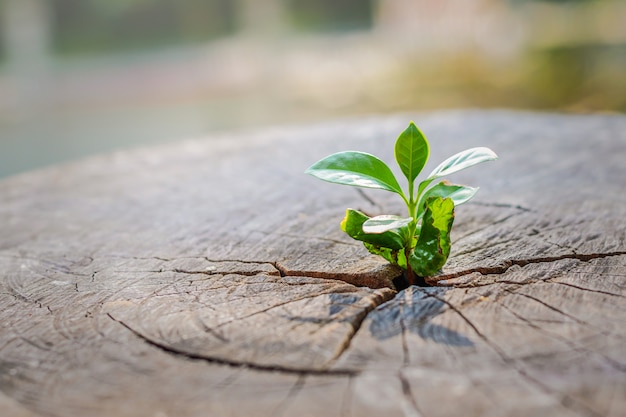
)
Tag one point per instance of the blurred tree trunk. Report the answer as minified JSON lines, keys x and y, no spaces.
{"x":26,"y":37}
{"x":261,"y":17}
{"x":26,"y":34}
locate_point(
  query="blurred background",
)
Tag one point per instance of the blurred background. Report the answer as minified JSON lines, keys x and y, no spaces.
{"x":79,"y":77}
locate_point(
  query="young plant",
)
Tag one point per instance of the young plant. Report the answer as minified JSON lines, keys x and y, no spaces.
{"x":420,"y":242}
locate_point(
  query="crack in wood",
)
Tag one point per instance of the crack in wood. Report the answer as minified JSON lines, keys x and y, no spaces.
{"x":241,"y":261}
{"x":354,"y":320}
{"x":573,"y":250}
{"x":543,"y":303}
{"x":407,"y":298}
{"x":217,"y":272}
{"x":405,"y":346}
{"x":381,"y":277}
{"x":213,"y":270}
{"x":567,"y":284}
{"x":209,"y":330}
{"x":527,"y":281}
{"x":500,"y":205}
{"x":345,"y":408}
{"x":281,"y":269}
{"x":563,"y":313}
{"x":358,"y":320}
{"x":294,"y":300}
{"x":369,"y":199}
{"x":411,"y":409}
{"x":293,"y":392}
{"x":506,"y":265}
{"x":237,"y":364}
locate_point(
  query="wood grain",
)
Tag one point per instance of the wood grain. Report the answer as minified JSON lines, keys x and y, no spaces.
{"x":209,"y":277}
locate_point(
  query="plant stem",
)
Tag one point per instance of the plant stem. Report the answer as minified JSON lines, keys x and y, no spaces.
{"x":411,"y":206}
{"x":409,"y":271}
{"x":408,"y":248}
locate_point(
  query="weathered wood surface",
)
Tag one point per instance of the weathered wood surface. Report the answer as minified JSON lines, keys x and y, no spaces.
{"x":206,"y":278}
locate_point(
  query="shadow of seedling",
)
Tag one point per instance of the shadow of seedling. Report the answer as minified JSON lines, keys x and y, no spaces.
{"x":412,"y":310}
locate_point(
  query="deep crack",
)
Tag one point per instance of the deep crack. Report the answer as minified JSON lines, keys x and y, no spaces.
{"x":506,"y":265}
{"x":232,"y":363}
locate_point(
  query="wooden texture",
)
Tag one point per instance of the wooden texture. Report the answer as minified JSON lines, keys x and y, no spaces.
{"x":210,"y":278}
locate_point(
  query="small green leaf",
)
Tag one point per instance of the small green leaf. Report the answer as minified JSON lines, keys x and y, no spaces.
{"x":395,"y":257}
{"x":459,"y":194}
{"x":352,"y":224}
{"x":423,"y":185}
{"x":357,"y":169}
{"x":462,"y":160}
{"x":411,"y":152}
{"x":380,"y":224}
{"x":433,"y":245}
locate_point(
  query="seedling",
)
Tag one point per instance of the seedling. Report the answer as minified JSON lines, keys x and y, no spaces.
{"x":419,"y":243}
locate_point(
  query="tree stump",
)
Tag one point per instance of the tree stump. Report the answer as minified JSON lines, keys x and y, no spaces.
{"x":210,"y":278}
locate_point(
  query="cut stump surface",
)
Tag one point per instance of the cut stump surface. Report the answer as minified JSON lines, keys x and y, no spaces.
{"x":210,"y":278}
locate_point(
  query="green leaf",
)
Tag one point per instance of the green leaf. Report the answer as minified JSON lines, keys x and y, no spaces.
{"x":380,"y":224}
{"x":352,"y":224}
{"x":357,"y":169}
{"x":396,"y":257}
{"x":433,"y":245}
{"x":462,"y":160}
{"x":459,"y":194}
{"x":423,"y":185}
{"x":411,"y":152}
